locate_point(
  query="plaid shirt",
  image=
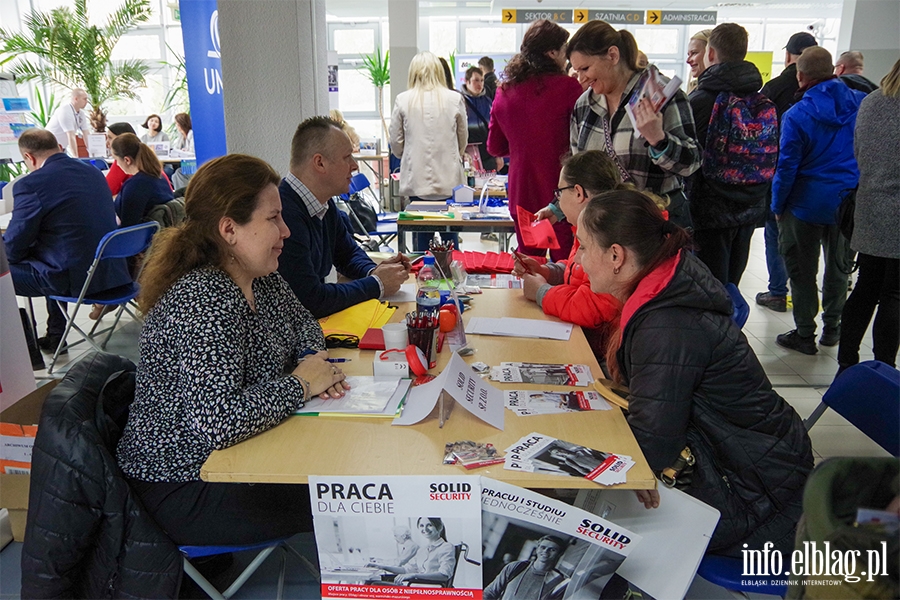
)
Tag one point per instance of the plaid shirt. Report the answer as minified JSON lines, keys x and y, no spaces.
{"x":657,"y":172}
{"x":312,"y":204}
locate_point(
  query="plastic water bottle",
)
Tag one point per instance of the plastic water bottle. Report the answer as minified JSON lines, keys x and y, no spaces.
{"x":428,"y":295}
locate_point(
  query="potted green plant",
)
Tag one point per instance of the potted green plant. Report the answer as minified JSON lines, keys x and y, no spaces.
{"x":376,"y":68}
{"x":73,"y":53}
{"x":43,"y":110}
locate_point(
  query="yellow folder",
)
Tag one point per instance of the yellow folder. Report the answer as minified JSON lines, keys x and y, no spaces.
{"x":357,"y":319}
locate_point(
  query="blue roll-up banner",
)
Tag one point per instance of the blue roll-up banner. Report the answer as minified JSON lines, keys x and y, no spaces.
{"x":203,"y":63}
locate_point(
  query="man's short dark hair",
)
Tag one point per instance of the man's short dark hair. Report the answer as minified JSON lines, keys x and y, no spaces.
{"x":729,"y":40}
{"x":554,"y":539}
{"x":36,"y":141}
{"x":815,"y":63}
{"x":486,"y":61}
{"x":311,"y":138}
{"x":472,"y":70}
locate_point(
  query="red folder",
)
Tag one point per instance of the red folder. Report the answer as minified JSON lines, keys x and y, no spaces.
{"x":372,"y":340}
{"x":536,"y":234}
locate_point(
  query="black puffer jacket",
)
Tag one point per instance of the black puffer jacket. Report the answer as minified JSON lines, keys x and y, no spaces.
{"x":695,"y":382}
{"x":782,"y":90}
{"x":715,"y":205}
{"x":87,"y":535}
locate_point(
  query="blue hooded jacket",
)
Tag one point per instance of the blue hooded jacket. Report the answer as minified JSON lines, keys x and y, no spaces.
{"x":816,"y":159}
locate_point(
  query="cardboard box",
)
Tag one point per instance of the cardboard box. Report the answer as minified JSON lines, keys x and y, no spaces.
{"x":14,"y":488}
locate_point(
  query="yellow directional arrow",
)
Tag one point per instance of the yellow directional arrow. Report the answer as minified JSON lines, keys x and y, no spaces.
{"x":509,"y":15}
{"x":580,"y":15}
{"x":654,"y":17}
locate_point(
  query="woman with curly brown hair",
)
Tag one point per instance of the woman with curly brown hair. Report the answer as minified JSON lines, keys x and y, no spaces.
{"x":227,"y":351}
{"x":530,"y":124}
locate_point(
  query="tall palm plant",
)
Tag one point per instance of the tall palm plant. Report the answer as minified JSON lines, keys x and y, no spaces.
{"x":377,"y":69}
{"x":73,"y":53}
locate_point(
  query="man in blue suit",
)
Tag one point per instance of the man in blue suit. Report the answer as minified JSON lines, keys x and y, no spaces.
{"x":62,"y":210}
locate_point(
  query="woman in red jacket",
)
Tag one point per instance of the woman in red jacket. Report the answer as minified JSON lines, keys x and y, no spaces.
{"x":562,"y":289}
{"x":530,"y":124}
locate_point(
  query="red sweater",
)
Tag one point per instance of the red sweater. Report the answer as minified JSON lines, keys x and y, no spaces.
{"x":116,"y":177}
{"x":530,"y":124}
{"x":574,"y":302}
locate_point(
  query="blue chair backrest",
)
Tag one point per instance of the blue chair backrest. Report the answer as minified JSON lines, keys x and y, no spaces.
{"x":741,"y":308}
{"x":868,"y":395}
{"x":126,"y":242}
{"x":358,"y":183}
{"x":97,"y":162}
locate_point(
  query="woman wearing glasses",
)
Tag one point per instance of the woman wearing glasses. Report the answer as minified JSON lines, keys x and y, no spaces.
{"x":227,"y":351}
{"x":530,"y":124}
{"x":562,"y":289}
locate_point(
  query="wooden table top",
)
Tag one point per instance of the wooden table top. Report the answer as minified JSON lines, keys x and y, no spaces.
{"x":302,"y":446}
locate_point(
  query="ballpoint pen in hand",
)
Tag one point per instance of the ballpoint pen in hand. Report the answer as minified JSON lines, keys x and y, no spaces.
{"x":521,"y":258}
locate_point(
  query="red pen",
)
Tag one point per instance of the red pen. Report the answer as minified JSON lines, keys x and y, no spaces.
{"x":521,"y":258}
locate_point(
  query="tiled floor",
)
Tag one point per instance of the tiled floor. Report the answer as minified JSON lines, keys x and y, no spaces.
{"x":800,"y":379}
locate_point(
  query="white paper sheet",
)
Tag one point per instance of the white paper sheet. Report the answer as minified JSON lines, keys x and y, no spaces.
{"x":465,"y":386}
{"x":675,"y":536}
{"x":512,"y":327}
{"x":406,"y":293}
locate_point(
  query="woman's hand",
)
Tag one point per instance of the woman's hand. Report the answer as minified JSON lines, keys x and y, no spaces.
{"x":649,"y":498}
{"x":325,"y":379}
{"x":546,"y":213}
{"x":649,"y":122}
{"x":531,"y":284}
{"x":525,"y":264}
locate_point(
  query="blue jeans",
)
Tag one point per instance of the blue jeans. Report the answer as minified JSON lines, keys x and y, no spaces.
{"x":28,"y":282}
{"x":774,"y":261}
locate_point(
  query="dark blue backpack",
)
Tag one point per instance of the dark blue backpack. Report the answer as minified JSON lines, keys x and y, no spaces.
{"x":742,"y":140}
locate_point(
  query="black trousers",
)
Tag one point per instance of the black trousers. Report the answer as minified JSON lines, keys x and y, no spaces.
{"x":878,"y":284}
{"x":198,"y":513}
{"x":725,"y":251}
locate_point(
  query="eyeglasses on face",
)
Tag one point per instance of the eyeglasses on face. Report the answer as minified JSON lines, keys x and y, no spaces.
{"x":558,"y":191}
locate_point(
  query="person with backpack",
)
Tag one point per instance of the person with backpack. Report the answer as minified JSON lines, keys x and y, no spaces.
{"x":815,"y":166}
{"x":737,"y":128}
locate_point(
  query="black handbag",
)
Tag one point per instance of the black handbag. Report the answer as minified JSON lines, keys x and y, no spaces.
{"x":845,"y":212}
{"x":364,"y":211}
{"x":846,"y":262}
{"x":478,"y":132}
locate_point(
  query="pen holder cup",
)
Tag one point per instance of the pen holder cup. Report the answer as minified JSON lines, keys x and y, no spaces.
{"x":424,"y":339}
{"x":443,"y":259}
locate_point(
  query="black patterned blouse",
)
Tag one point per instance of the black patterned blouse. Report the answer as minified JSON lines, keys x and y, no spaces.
{"x":213,"y":372}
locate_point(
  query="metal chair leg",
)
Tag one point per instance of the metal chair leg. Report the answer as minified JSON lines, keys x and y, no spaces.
{"x":816,"y":414}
